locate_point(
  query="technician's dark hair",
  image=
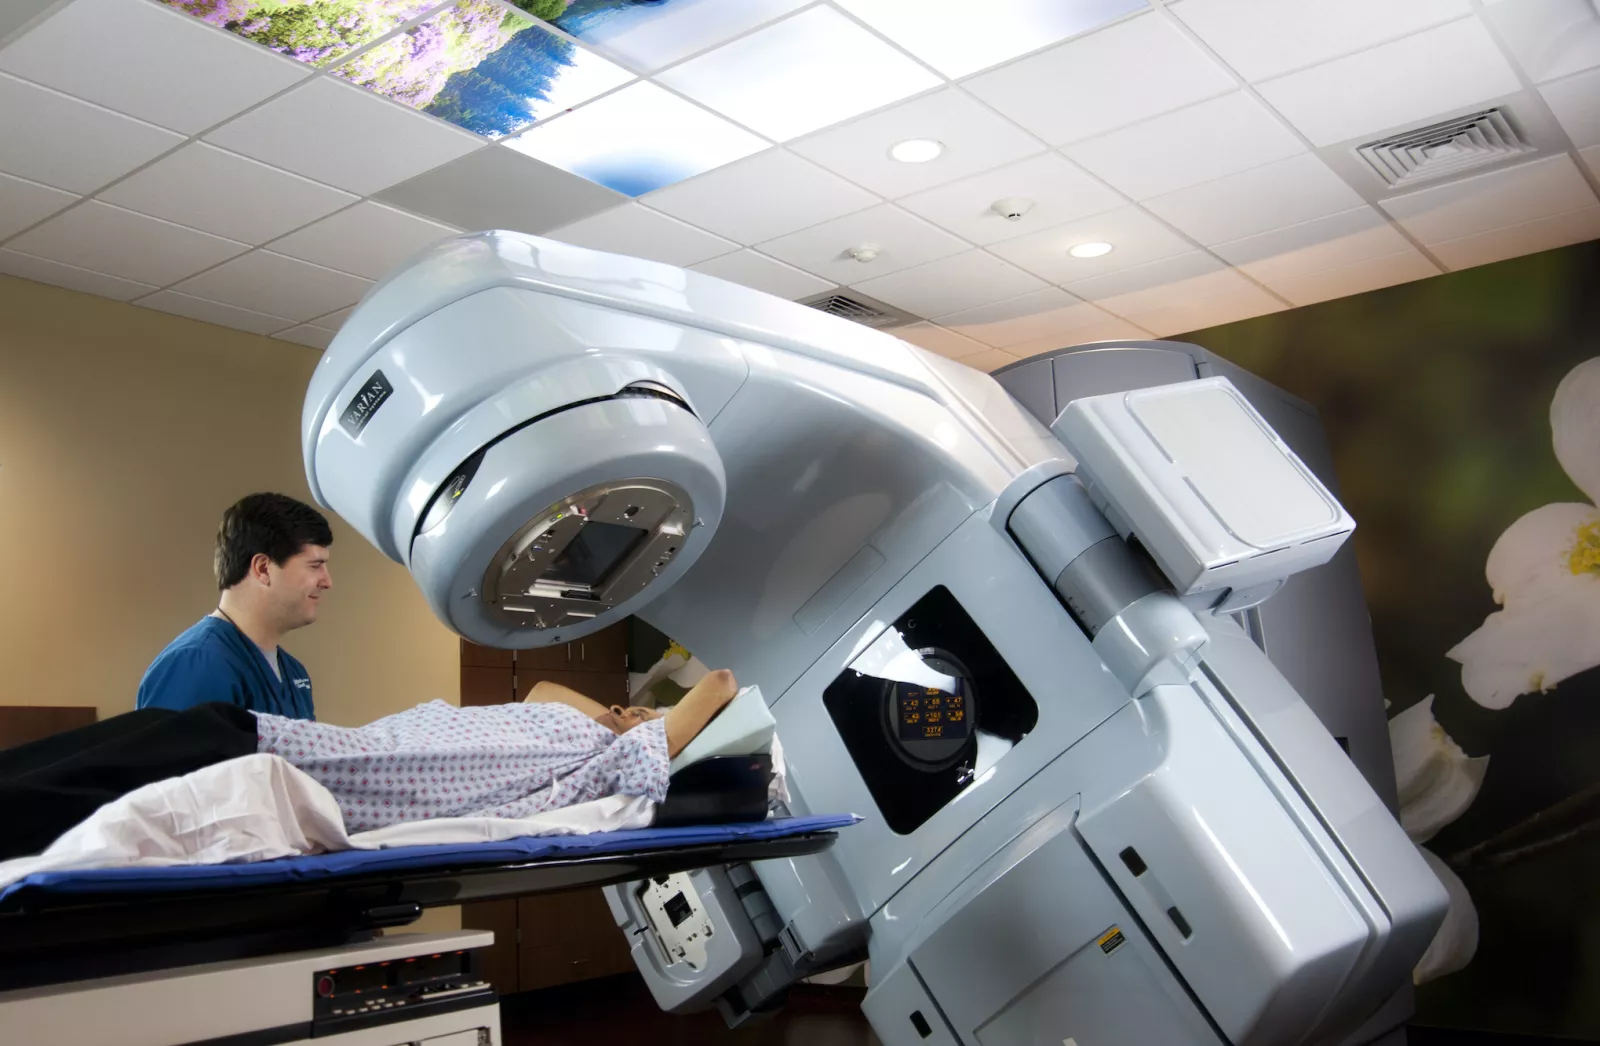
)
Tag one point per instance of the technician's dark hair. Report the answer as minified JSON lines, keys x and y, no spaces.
{"x":274,"y":524}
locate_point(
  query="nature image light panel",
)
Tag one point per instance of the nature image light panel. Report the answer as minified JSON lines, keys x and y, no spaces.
{"x":317,"y":32}
{"x":650,"y":34}
{"x":638,"y":139}
{"x":484,"y":67}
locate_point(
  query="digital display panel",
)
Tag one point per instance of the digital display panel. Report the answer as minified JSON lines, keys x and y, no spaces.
{"x":590,"y":556}
{"x":929,"y":714}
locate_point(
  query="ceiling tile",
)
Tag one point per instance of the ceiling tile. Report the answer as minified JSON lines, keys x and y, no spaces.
{"x":1212,"y":312}
{"x":756,"y":270}
{"x":149,"y":62}
{"x":974,"y":139}
{"x":1591,"y":157}
{"x":1161,"y":273}
{"x":69,"y":144}
{"x":1369,"y":274}
{"x":368,"y":239}
{"x":483,"y":68}
{"x":935,"y":338}
{"x":343,"y":136}
{"x":102,"y":238}
{"x":903,"y":240}
{"x":1413,"y":80}
{"x":213,"y":312}
{"x":311,"y":337}
{"x":640,"y":139}
{"x":942,"y":33}
{"x":1264,"y":38}
{"x":1576,"y":103}
{"x":635,"y":230}
{"x":807,"y":71}
{"x":17,"y":14}
{"x":1173,"y":151}
{"x":266,"y":282}
{"x":771,"y":193}
{"x":989,"y":360}
{"x":1062,"y":94}
{"x":216,"y":191}
{"x":42,"y":270}
{"x":1111,"y":328}
{"x":282,"y":25}
{"x":1542,"y":234}
{"x":496,"y":188}
{"x":1051,"y":312}
{"x":1549,"y":38}
{"x":1321,"y":244}
{"x":961,"y":281}
{"x":1221,"y":282}
{"x":1059,"y":192}
{"x":1493,"y":201}
{"x":651,"y":35}
{"x":1135,"y":238}
{"x":1272,"y":196}
{"x":23,"y":203}
{"x":334,"y":320}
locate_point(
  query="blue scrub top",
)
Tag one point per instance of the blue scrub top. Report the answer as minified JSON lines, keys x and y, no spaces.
{"x":214,"y":661}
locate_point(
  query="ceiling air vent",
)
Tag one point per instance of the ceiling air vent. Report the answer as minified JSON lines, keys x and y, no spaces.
{"x":858,"y":308}
{"x":1443,"y":149}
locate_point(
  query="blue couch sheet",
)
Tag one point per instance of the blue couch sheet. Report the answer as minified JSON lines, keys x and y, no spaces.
{"x":408,"y":858}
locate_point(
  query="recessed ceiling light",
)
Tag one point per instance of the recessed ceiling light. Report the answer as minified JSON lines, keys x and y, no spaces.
{"x":917,"y":150}
{"x":1090,"y":250}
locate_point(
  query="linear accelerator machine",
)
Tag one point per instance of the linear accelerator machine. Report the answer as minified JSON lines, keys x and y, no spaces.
{"x":1096,"y":813}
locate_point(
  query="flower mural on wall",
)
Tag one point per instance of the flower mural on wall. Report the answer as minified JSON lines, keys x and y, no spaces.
{"x":1545,"y":570}
{"x":1437,"y":782}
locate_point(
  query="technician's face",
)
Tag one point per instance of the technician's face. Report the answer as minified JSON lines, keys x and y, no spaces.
{"x":300,"y":584}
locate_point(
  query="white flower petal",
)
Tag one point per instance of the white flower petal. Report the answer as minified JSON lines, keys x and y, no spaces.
{"x":1533,"y":646}
{"x":1436,"y":779}
{"x":1534,"y":557}
{"x":1457,"y":940}
{"x":1575,"y":426}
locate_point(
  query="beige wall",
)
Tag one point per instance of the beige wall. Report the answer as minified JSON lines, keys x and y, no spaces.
{"x":124,"y":433}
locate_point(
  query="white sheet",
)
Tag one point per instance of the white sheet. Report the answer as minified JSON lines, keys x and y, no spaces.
{"x":259,"y":807}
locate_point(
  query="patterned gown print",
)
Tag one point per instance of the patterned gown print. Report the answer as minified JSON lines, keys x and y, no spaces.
{"x":437,"y":760}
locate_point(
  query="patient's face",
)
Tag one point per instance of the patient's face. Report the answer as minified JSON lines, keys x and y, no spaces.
{"x":624,"y":719}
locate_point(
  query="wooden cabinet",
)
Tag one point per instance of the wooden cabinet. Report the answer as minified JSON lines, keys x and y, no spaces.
{"x":487,"y":686}
{"x":568,"y":937}
{"x":552,"y":939}
{"x":595,"y":666}
{"x":477,"y":656}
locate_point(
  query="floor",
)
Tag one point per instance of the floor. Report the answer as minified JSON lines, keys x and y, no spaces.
{"x":610,"y":1008}
{"x":605,"y":1010}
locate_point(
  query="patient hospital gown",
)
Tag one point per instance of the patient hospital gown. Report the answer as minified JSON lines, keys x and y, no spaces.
{"x":437,"y":760}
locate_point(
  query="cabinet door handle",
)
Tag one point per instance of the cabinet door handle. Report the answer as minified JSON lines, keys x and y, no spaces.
{"x":583,"y":653}
{"x":568,"y":647}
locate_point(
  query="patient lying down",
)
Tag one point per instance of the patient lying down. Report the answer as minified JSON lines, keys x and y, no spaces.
{"x":558,"y":748}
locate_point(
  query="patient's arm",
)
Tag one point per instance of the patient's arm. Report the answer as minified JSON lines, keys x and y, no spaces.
{"x":698,"y":707}
{"x":544,"y":690}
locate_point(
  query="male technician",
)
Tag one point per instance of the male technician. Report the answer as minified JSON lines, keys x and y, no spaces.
{"x":272,"y":570}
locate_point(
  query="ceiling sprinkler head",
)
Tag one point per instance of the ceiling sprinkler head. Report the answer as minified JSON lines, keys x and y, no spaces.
{"x":865,"y":253}
{"x":1012,"y":208}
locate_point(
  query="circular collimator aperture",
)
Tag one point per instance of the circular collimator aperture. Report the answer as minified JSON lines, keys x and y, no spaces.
{"x":569,"y":522}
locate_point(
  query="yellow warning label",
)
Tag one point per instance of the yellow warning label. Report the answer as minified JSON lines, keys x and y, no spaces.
{"x":1111,"y":940}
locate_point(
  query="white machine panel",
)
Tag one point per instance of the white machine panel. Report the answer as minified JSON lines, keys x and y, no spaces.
{"x":1204,"y":483}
